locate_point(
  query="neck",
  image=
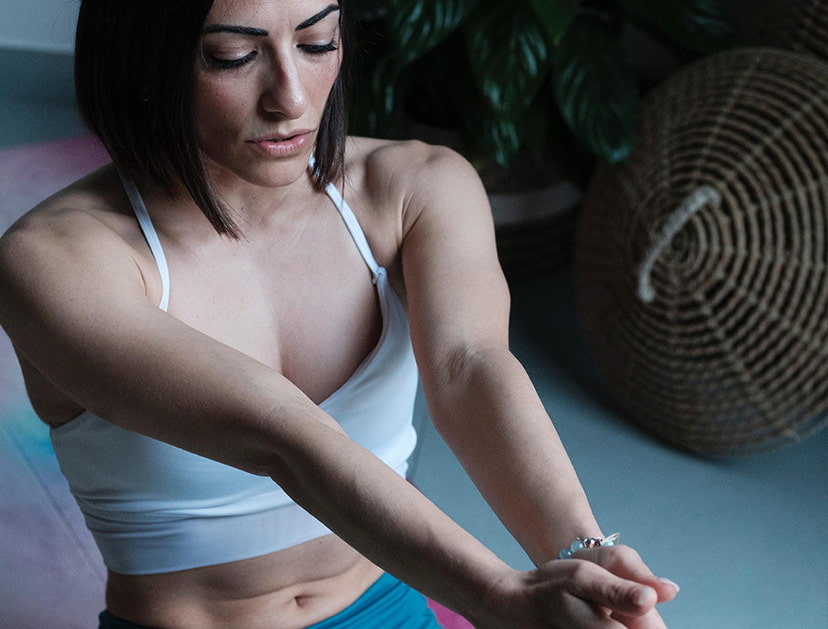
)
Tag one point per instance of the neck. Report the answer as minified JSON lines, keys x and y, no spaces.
{"x":256,"y":209}
{"x":257,"y":197}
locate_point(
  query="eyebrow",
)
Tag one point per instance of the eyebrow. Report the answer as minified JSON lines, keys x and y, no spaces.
{"x":319,"y":16}
{"x":238,"y":30}
{"x":260,"y":32}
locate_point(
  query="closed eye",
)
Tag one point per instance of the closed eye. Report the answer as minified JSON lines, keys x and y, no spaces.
{"x":318,"y":49}
{"x":229,"y":64}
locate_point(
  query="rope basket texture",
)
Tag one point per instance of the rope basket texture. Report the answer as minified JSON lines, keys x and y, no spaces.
{"x":702,"y":262}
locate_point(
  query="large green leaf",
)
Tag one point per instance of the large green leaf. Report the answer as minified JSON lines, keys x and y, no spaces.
{"x":595,"y":90}
{"x":376,"y":101}
{"x":493,"y":139}
{"x":417,"y":26}
{"x":555,"y":15}
{"x":701,"y":26}
{"x":497,"y":138}
{"x":509,"y":57}
{"x":533,"y":127}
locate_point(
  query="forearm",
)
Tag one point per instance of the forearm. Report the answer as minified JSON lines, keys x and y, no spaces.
{"x":489,"y":413}
{"x":369,"y":506}
{"x":386,"y":519}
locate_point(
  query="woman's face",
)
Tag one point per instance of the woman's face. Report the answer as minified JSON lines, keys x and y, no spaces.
{"x":261,"y":84}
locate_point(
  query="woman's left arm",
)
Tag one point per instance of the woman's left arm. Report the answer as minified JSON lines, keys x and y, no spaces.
{"x":479,"y":396}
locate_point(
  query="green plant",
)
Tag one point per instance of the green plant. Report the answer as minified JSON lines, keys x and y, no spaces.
{"x":519,"y":76}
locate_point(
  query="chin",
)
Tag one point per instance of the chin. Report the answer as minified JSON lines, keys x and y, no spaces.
{"x":268,"y":175}
{"x":279,"y":177}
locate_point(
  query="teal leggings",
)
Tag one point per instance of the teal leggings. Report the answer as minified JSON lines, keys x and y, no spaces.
{"x":388,"y":604}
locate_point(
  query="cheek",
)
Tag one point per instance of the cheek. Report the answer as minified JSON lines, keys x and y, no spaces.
{"x":211,"y":98}
{"x":216,"y":108}
{"x":325,"y":76}
{"x":322,"y":85}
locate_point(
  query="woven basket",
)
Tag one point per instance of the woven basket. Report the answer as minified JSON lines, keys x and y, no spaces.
{"x":702,"y":264}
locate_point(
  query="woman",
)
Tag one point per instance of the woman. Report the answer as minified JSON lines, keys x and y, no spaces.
{"x":208,"y":315}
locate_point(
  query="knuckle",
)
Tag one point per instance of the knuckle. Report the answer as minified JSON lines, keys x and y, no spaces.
{"x":620,"y":555}
{"x":617,"y":594}
{"x":579,"y":570}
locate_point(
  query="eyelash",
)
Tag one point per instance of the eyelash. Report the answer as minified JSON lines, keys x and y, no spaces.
{"x":229,"y":64}
{"x":319,"y":49}
{"x":233,"y":64}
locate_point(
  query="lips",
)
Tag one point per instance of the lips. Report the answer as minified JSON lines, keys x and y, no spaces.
{"x":281,"y":137}
{"x":281,"y":145}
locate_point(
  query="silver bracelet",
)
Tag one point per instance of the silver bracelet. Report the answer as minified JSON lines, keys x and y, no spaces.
{"x":589,"y":542}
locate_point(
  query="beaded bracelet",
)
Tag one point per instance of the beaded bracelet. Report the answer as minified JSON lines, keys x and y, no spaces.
{"x":589,"y":542}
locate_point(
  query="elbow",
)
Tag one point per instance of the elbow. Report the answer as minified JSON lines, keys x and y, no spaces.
{"x":298,"y":446}
{"x":463,"y":379}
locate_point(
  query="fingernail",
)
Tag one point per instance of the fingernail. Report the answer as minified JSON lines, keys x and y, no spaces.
{"x":671,"y":583}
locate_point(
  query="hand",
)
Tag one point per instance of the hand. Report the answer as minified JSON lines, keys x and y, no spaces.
{"x":596,"y":590}
{"x":625,"y":562}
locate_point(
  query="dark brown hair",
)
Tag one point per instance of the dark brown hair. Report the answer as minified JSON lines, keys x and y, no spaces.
{"x":134,"y":64}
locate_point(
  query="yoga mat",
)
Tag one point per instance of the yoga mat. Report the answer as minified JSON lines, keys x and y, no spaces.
{"x":51,"y":574}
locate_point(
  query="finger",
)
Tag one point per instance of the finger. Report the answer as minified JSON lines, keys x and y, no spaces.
{"x":626,"y":563}
{"x":601,"y":587}
{"x":581,"y":614}
{"x":666,"y":589}
{"x":650,"y":620}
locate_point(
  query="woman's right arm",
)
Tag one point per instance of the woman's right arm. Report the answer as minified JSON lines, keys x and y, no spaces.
{"x":72,"y":299}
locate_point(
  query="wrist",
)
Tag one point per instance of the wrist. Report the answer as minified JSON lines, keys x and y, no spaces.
{"x":562,"y":536}
{"x":581,"y":543}
{"x":503,"y":602}
{"x":471,"y":589}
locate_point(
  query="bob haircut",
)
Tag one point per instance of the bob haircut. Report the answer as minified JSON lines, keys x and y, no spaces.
{"x":134,"y":65}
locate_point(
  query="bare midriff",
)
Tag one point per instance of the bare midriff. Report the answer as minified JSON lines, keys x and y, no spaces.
{"x":288,"y":589}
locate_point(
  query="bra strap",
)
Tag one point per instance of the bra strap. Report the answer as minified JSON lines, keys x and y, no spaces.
{"x":351,"y":223}
{"x":354,"y":228}
{"x":151,"y":236}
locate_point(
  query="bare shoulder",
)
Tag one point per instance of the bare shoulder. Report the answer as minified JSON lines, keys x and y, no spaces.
{"x":402,"y":164}
{"x":409,"y":175}
{"x":90,"y":208}
{"x":75,"y":229}
{"x":97,"y":198}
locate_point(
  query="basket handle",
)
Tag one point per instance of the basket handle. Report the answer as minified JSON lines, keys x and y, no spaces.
{"x":696,"y":200}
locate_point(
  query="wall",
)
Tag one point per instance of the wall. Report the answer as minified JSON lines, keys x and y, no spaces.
{"x":39,"y":25}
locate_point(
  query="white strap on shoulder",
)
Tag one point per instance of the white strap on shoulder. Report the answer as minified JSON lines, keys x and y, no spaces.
{"x":151,"y":236}
{"x":354,"y":228}
{"x":351,"y":223}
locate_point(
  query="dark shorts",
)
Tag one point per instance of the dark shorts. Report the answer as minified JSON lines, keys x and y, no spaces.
{"x":388,"y":604}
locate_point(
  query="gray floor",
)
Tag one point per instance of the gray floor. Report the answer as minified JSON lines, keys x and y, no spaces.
{"x":745,"y":538}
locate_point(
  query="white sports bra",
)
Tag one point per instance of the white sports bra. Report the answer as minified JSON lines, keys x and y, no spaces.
{"x":154,"y":508}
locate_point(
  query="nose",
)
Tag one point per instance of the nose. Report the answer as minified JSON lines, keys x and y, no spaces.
{"x":282,"y":90}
